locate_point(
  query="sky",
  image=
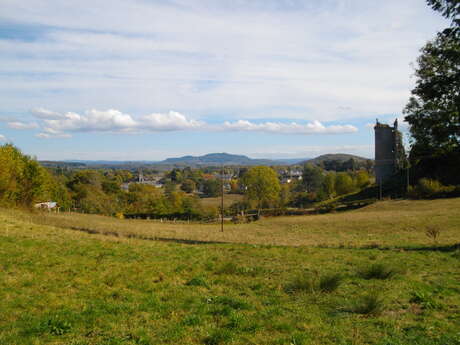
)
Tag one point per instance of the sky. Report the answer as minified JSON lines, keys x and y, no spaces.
{"x":147,"y":79}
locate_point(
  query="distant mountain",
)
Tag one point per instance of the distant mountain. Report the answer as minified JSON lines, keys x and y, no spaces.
{"x":217,"y":159}
{"x":341,"y":157}
{"x":55,"y":164}
{"x":102,"y":162}
{"x":211,"y":159}
{"x":291,"y":161}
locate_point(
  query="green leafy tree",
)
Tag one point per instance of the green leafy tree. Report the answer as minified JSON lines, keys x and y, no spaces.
{"x":362,"y":179}
{"x":312,"y":178}
{"x":212,"y":187}
{"x":188,"y":186}
{"x":433,"y":111}
{"x":344,"y":183}
{"x":262,"y":186}
{"x":23,"y":181}
{"x":285,"y":195}
{"x":449,"y":9}
{"x":169,"y":187}
{"x":329,"y":184}
{"x":32,"y":182}
{"x":176,"y":175}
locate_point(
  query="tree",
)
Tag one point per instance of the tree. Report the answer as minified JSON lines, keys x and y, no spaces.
{"x":449,"y":9}
{"x":312,"y":177}
{"x":329,"y":184}
{"x":32,"y":182}
{"x":433,"y":111}
{"x":344,"y":183}
{"x":23,"y":181}
{"x":262,"y":186}
{"x":212,"y":187}
{"x":285,"y":195}
{"x":188,"y":186}
{"x":169,"y":187}
{"x":362,"y":179}
{"x":176,"y":175}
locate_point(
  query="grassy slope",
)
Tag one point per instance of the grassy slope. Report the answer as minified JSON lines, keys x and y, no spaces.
{"x":229,"y":199}
{"x":65,"y":287}
{"x":389,"y":223}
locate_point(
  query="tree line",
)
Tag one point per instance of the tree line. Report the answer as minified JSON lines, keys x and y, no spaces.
{"x":24,"y":182}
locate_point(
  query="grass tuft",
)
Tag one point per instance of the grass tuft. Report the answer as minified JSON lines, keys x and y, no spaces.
{"x":218,"y":336}
{"x":378,"y":271}
{"x":57,"y":326}
{"x":370,"y":304}
{"x":310,"y":284}
{"x":231,"y":302}
{"x":197,"y":281}
{"x":424,"y":299}
{"x":433,"y":232}
{"x":228,"y":268}
{"x":301,"y":283}
{"x":330,"y":282}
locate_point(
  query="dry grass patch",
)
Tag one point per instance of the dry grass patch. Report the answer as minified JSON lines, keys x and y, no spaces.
{"x":384,"y":224}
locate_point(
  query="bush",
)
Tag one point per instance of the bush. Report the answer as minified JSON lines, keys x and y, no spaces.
{"x":378,"y":271}
{"x":429,"y":188}
{"x":370,"y":304}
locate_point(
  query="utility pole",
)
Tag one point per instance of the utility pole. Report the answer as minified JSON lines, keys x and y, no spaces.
{"x":222,"y":201}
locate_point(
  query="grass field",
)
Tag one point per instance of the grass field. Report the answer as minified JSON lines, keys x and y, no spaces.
{"x":229,"y":199}
{"x":370,"y":276}
{"x":387,"y":224}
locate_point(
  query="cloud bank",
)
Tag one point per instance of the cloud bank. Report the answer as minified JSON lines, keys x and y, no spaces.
{"x":57,"y":125}
{"x":314,"y":127}
{"x":329,"y":60}
{"x":22,"y":125}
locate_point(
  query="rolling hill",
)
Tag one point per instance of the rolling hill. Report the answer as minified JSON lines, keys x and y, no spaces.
{"x":341,"y":157}
{"x":217,"y":159}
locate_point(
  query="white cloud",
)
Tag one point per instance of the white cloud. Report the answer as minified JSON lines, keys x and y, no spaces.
{"x":117,"y":122}
{"x":22,"y":125}
{"x":172,"y":121}
{"x":91,"y":121}
{"x":42,"y":113}
{"x":52,"y":135}
{"x":3,"y":138}
{"x":314,"y":127}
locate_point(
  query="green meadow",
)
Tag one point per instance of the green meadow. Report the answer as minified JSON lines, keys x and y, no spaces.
{"x":385,"y":274}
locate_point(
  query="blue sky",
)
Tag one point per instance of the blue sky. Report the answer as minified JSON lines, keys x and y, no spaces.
{"x":147,"y":80}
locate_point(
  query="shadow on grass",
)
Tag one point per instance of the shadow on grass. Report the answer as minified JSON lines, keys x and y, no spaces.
{"x":438,"y":248}
{"x":142,"y":237}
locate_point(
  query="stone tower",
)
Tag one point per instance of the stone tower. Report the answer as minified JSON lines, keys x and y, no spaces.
{"x":141,"y":176}
{"x":389,"y":151}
